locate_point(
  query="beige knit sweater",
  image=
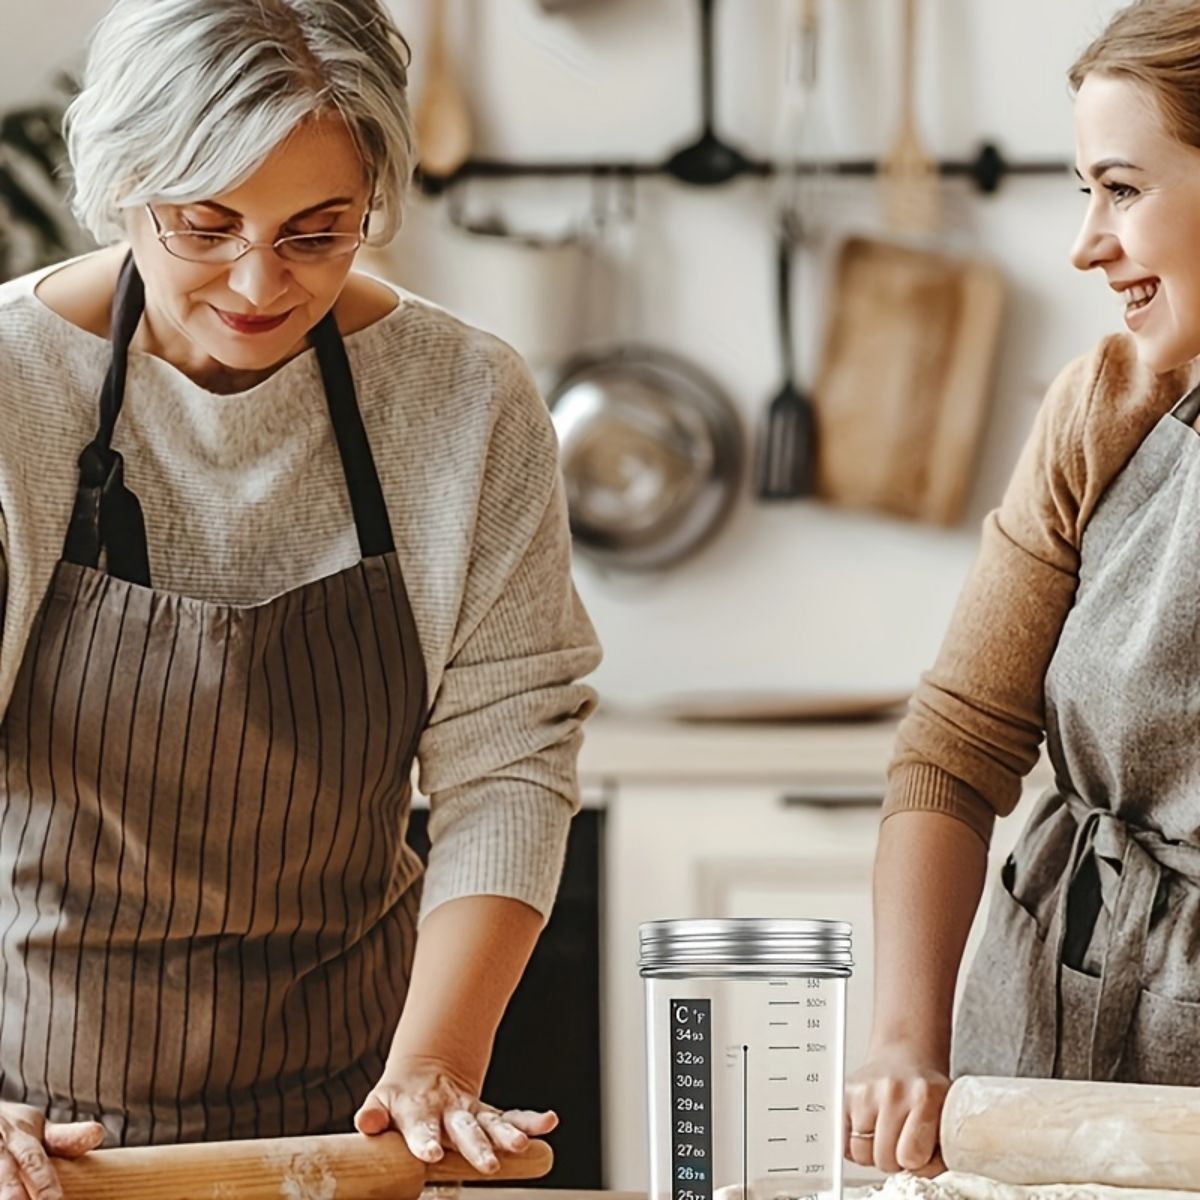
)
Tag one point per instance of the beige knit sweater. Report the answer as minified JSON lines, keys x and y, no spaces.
{"x":244,"y":499}
{"x":976,"y":721}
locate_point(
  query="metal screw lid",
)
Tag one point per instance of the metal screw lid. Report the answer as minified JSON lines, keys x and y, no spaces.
{"x":747,"y":943}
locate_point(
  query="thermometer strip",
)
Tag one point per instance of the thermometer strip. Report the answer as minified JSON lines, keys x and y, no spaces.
{"x":690,"y":1053}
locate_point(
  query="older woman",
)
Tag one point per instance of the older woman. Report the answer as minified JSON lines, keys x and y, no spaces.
{"x":1080,"y":618}
{"x":271,"y":529}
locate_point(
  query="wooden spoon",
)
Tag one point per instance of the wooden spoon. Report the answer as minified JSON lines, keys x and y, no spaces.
{"x":443,"y":117}
{"x":911,"y":183}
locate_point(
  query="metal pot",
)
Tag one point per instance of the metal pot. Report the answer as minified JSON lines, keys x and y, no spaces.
{"x":652,"y":454}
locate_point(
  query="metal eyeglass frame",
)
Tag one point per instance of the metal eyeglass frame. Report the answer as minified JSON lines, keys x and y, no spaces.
{"x":166,"y":235}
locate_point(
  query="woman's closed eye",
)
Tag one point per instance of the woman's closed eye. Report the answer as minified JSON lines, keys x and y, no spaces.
{"x":190,"y":227}
{"x":313,"y":239}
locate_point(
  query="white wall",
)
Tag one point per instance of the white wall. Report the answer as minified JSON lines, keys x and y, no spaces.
{"x":794,"y":596}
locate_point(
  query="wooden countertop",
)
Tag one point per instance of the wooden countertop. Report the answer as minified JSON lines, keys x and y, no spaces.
{"x":628,"y":749}
{"x":850,"y":754}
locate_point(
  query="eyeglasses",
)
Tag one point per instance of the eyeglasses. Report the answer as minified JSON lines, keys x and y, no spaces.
{"x":197,"y":247}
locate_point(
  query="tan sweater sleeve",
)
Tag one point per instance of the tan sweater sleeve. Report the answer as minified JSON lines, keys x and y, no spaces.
{"x":976,"y":721}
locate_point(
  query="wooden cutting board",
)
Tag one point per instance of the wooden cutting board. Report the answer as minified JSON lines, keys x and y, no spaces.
{"x":905,"y":378}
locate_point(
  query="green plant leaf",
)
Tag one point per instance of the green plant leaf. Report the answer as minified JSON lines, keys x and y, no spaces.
{"x":32,"y":149}
{"x":35,"y":133}
{"x":28,"y":211}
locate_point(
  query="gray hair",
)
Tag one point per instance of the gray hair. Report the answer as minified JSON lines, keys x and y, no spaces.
{"x":183,"y":100}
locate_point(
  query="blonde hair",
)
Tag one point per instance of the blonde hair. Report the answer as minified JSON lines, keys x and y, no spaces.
{"x":1155,"y":43}
{"x":183,"y":100}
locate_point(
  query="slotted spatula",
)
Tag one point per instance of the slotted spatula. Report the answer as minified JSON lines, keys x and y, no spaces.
{"x":785,"y":464}
{"x":786,"y":449}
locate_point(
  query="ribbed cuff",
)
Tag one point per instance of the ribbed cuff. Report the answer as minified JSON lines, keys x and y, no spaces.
{"x":922,"y":787}
{"x":509,"y":841}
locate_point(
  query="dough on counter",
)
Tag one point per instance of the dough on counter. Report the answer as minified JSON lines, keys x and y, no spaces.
{"x":954,"y":1185}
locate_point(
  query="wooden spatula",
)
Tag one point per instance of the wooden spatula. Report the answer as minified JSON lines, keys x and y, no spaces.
{"x":347,"y":1166}
{"x":911,"y":184}
{"x":443,"y":118}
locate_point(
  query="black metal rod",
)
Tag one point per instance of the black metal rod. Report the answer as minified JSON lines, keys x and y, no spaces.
{"x":707,"y":89}
{"x":987,"y":169}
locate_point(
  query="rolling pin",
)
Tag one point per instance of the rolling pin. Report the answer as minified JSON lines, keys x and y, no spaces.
{"x":1040,"y":1131}
{"x":347,"y":1166}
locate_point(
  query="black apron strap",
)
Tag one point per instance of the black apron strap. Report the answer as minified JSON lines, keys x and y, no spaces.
{"x":358,"y":464}
{"x":107,"y":517}
{"x":1188,"y":408}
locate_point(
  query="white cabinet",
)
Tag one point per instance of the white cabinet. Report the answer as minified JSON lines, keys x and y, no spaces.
{"x":676,"y":849}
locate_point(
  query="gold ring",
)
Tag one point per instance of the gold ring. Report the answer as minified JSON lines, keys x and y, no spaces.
{"x":866,"y":1137}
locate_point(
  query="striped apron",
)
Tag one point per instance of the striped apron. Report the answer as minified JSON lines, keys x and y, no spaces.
{"x":207,"y":905}
{"x":1090,"y":964}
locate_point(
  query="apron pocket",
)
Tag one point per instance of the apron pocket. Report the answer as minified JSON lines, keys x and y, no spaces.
{"x":1164,"y":1043}
{"x":990,"y":1023}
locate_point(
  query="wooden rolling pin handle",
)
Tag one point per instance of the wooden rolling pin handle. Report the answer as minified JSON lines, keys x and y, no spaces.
{"x":347,"y":1166}
{"x":1043,"y":1131}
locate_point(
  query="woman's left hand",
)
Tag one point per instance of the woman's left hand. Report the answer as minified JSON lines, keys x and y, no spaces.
{"x":436,"y":1107}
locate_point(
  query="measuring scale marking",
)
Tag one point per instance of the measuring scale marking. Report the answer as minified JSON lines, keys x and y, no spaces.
{"x":777,"y":1146}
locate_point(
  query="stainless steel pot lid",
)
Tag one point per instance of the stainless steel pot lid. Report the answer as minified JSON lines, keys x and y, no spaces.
{"x":652,"y":455}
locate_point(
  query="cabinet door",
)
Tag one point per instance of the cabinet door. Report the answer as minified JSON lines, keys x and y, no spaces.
{"x":814,"y":883}
{"x":721,"y":850}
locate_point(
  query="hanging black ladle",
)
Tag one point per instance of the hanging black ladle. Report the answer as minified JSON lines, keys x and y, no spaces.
{"x":709,"y":160}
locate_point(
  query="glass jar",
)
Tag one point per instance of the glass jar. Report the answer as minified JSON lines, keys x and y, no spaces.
{"x":745,"y":1046}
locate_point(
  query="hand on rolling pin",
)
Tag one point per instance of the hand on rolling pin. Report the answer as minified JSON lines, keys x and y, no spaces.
{"x":434,"y":1107}
{"x":27,"y":1140}
{"x":893,"y":1112}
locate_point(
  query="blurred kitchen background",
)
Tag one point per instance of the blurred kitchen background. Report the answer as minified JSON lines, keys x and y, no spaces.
{"x":793,"y":624}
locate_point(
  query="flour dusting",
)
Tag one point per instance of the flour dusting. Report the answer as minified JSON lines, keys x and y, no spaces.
{"x":909,"y":1187}
{"x":306,"y":1176}
{"x":957,"y":1185}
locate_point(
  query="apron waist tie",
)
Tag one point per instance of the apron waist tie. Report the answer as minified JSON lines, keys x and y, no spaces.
{"x":1139,"y":857}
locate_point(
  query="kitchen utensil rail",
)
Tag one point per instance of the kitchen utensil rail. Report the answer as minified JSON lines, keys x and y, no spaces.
{"x":987,"y":170}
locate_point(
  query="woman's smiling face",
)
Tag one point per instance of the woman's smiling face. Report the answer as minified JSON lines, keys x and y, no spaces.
{"x":313,"y":183}
{"x":1142,"y":226}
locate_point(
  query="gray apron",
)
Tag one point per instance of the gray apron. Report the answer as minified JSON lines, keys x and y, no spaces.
{"x":207,"y":906}
{"x":1090,"y":963}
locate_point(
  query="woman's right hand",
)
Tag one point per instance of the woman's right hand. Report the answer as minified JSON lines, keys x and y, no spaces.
{"x":894,"y":1109}
{"x":27,"y":1140}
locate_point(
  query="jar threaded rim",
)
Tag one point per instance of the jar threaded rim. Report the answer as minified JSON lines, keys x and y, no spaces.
{"x":746,"y":942}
